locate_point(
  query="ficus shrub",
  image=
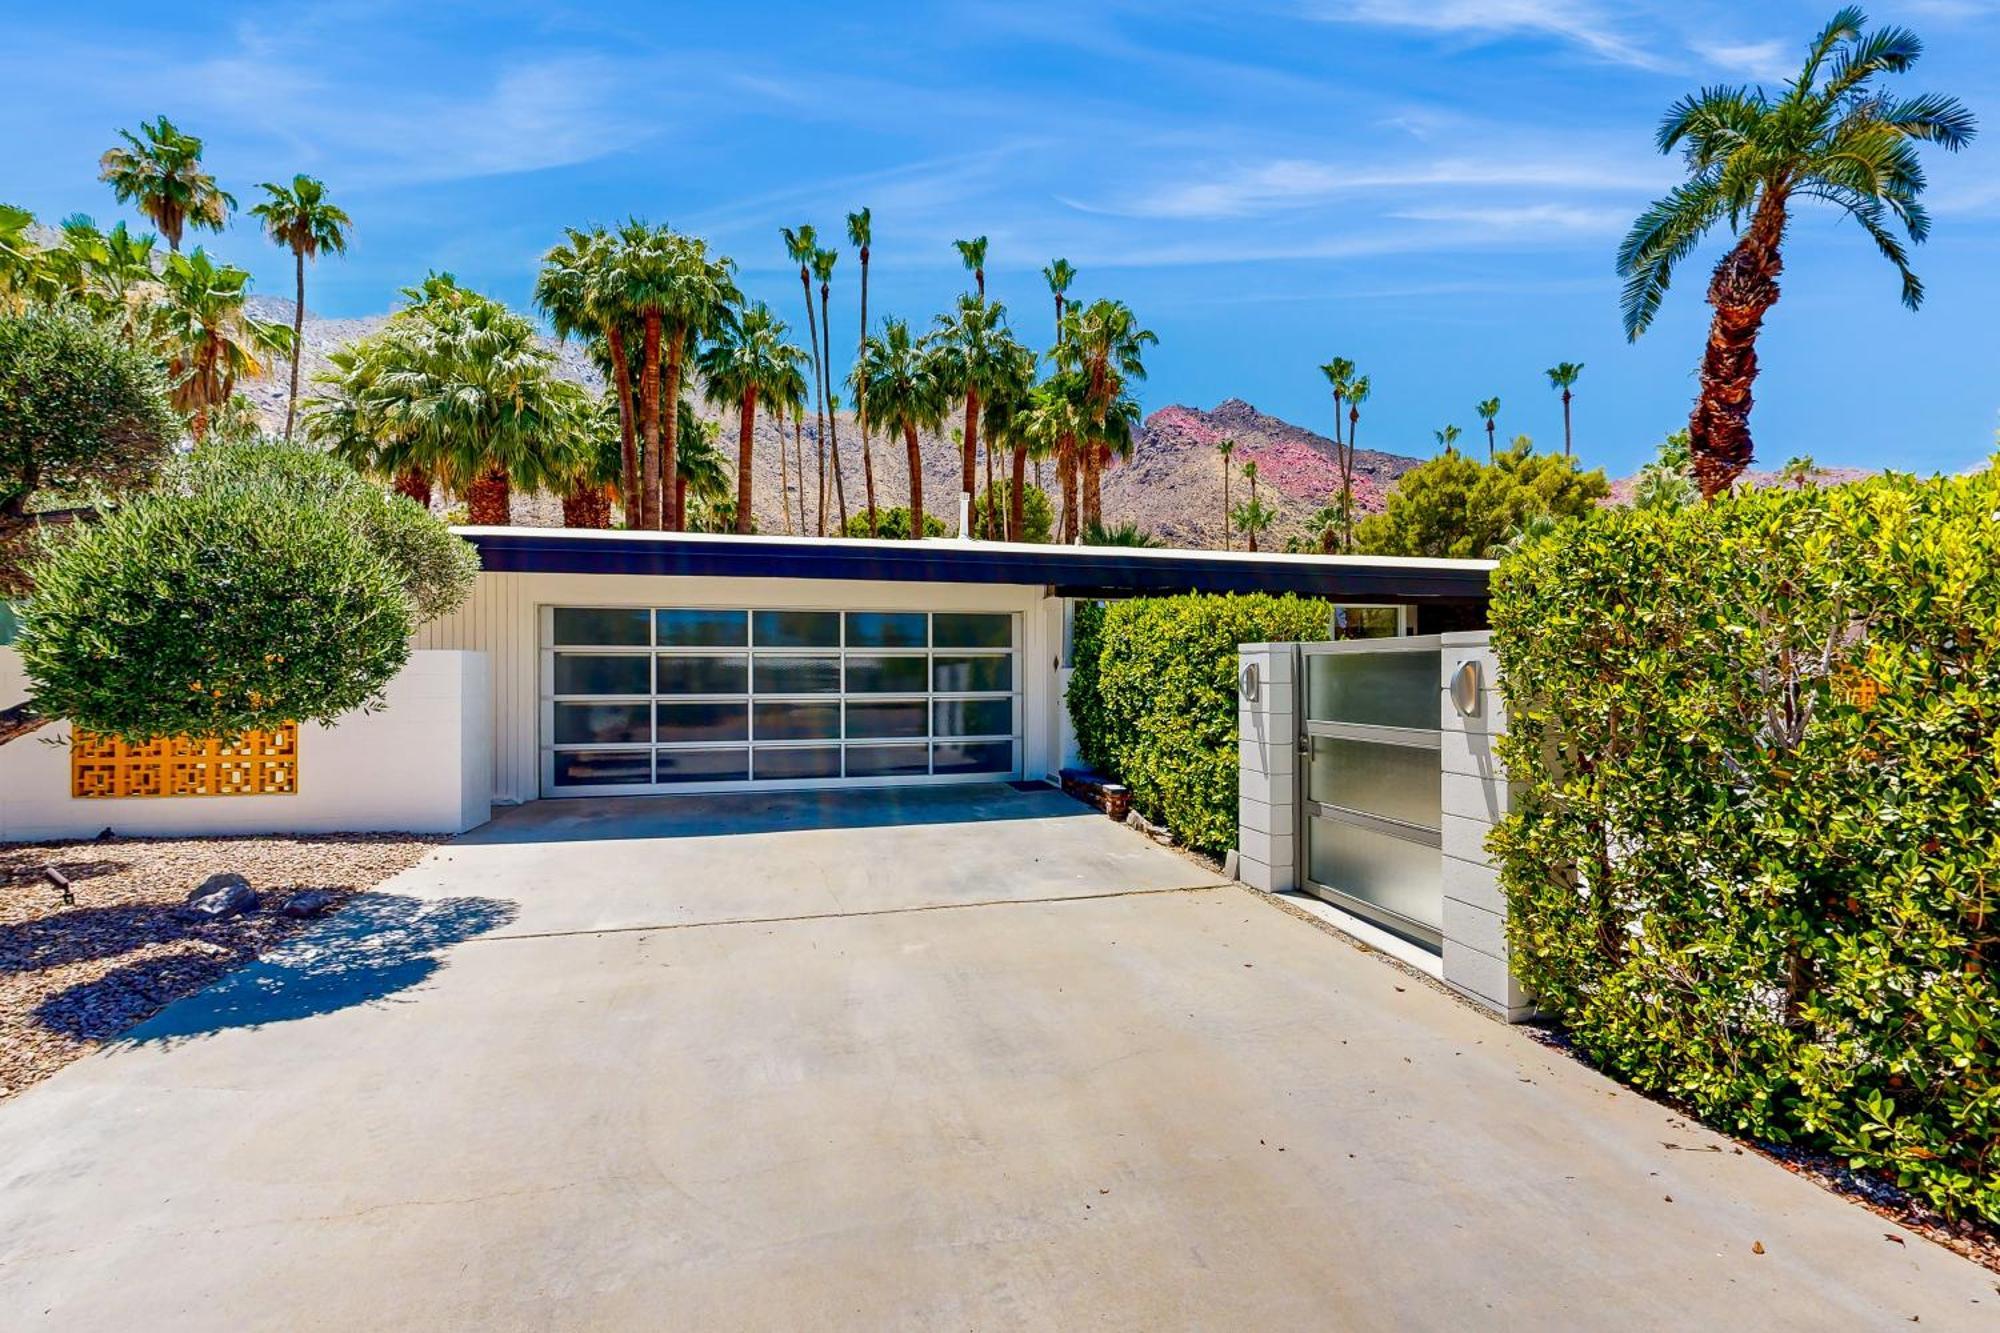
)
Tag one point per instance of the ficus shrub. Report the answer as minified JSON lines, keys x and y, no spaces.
{"x":1754,"y":862}
{"x":1153,"y":698}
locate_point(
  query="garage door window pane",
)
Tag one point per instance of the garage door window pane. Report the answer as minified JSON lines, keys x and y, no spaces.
{"x":887,"y":629}
{"x":886,"y":675}
{"x":868,"y":720}
{"x":972,"y":675}
{"x":603,"y":724}
{"x":798,"y":675}
{"x":817,"y":761}
{"x":582,"y":673}
{"x":960,"y":630}
{"x":700,"y":628}
{"x":704,"y":765}
{"x":887,"y":761}
{"x":603,"y":768}
{"x":798,"y":629}
{"x":980,"y":757}
{"x":975,"y":717}
{"x":606,"y":628}
{"x":704,"y":675}
{"x":798,"y":722}
{"x":704,"y":722}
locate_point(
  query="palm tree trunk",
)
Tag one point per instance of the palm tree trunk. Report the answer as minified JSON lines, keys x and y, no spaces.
{"x":745,"y":437}
{"x":868,"y":479}
{"x":1744,"y":288}
{"x":916,"y":480}
{"x":1252,"y":525}
{"x":1093,"y":487}
{"x":1347,"y":483}
{"x":819,"y":400}
{"x":680,"y":497}
{"x":1017,"y":497}
{"x":586,"y":506}
{"x":799,"y":458}
{"x":1489,"y":439}
{"x":832,"y":419}
{"x":628,"y":453}
{"x":670,"y":429}
{"x":969,"y":471}
{"x":861,"y":402}
{"x":1226,"y":543}
{"x":1566,"y":397}
{"x":649,"y":426}
{"x":784,"y":474}
{"x":994,"y":532}
{"x":415,"y":483}
{"x":298,"y":342}
{"x":1066,"y":478}
{"x":486,"y":500}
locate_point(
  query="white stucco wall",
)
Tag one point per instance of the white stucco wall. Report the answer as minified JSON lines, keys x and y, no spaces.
{"x":419,"y":765}
{"x":13,"y":681}
{"x":502,"y":620}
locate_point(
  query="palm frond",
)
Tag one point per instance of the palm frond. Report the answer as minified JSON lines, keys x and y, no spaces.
{"x":1662,"y":236}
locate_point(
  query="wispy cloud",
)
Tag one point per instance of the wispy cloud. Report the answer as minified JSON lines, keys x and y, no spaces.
{"x":1768,"y":61}
{"x":1576,"y":22}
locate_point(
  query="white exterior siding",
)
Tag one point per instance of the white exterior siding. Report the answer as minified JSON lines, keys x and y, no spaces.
{"x":502,"y":619}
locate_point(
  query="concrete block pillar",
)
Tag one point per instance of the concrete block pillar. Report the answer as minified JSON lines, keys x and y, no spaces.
{"x":1476,"y":794}
{"x":1267,"y":765}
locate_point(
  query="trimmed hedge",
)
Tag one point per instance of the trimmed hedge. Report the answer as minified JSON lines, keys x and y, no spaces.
{"x":1153,"y":699}
{"x":1755,"y":861}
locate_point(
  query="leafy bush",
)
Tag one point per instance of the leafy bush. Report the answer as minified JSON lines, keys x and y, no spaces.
{"x":1038,"y":517}
{"x":1755,"y":859}
{"x":892,"y":524}
{"x":1455,"y":507}
{"x":257,"y":585}
{"x":1153,"y":699}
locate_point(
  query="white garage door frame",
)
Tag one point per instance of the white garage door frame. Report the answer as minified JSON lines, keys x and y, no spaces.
{"x":750,"y":697}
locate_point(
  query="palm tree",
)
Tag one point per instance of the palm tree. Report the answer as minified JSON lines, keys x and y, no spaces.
{"x":1055,"y":423}
{"x":1448,"y":438}
{"x":822,"y":264}
{"x":703,"y":293}
{"x":699,"y":471}
{"x":899,"y":375}
{"x":1225,"y":447}
{"x":1827,"y":136}
{"x":580,"y":289}
{"x":748,"y":360}
{"x":976,"y":354}
{"x":1123,"y":534}
{"x":298,"y":217}
{"x":1009,"y":400}
{"x":1339,"y":374}
{"x":1562,"y":376}
{"x":1253,"y":515}
{"x":801,"y":244}
{"x":159,"y":170}
{"x":588,"y":463}
{"x":972,"y":254}
{"x":1059,"y":274}
{"x":1488,"y":409}
{"x":1103,"y":341}
{"x":211,"y":340}
{"x":861,"y":235}
{"x":1357,"y":394}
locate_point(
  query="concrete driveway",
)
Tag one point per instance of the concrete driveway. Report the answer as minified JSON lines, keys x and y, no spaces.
{"x":931,"y":1059}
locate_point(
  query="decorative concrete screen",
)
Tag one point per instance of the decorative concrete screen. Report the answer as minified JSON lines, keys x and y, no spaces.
{"x":260,"y":763}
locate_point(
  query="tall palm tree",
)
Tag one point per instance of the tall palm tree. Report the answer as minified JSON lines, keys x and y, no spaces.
{"x":1448,"y":438}
{"x":159,"y":170}
{"x":211,"y":341}
{"x":300,"y":218}
{"x":750,"y":360}
{"x":801,"y":244}
{"x":901,"y":380}
{"x":1825,"y":136}
{"x":345,"y":418}
{"x":699,"y":471}
{"x":701,"y":294}
{"x":972,"y":254}
{"x":1057,"y":421}
{"x":1059,"y":274}
{"x":1357,"y":394}
{"x":1225,"y":447}
{"x":861,"y":235}
{"x":1253,"y":516}
{"x":823,"y":262}
{"x":976,"y":355}
{"x":1339,"y":374}
{"x":1104,"y":342}
{"x":580,"y":289}
{"x":1564,"y":375}
{"x":1009,"y":399}
{"x":1488,"y":409}
{"x":588,"y":463}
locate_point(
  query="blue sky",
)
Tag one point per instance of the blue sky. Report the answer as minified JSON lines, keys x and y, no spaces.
{"x":1433,"y":189}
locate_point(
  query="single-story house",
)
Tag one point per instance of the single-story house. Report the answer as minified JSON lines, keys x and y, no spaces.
{"x":592,"y":663}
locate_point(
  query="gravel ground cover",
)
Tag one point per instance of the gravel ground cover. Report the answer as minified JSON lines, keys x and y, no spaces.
{"x":78,"y":969}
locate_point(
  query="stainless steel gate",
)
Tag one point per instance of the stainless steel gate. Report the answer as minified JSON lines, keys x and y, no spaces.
{"x":1369,"y":794}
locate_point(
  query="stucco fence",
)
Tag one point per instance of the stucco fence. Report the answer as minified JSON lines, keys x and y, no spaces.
{"x":421,"y":764}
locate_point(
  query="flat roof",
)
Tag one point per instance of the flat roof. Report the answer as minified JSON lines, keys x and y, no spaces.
{"x":1072,"y":571}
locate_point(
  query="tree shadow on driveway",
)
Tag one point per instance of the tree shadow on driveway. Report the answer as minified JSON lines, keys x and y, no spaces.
{"x":375,"y":947}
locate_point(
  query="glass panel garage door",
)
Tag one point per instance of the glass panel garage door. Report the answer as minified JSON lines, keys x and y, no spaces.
{"x":695,"y":698}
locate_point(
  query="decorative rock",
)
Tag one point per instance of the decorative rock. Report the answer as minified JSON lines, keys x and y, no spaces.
{"x":307,"y":903}
{"x":225,"y":895}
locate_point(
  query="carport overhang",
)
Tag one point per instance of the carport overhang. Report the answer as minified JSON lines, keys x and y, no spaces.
{"x":1066,"y":571}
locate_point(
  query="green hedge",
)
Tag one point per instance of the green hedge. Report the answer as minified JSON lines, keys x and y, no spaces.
{"x":1755,"y":862}
{"x":1153,"y":699}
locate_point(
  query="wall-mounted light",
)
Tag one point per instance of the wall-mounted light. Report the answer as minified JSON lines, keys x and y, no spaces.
{"x":1246,"y":682}
{"x":1465,"y":688}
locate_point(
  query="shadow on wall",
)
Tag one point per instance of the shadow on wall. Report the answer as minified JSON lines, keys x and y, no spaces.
{"x":376,"y":946}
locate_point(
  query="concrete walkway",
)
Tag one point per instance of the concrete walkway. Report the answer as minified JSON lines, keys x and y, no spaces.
{"x":784,"y":1063}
